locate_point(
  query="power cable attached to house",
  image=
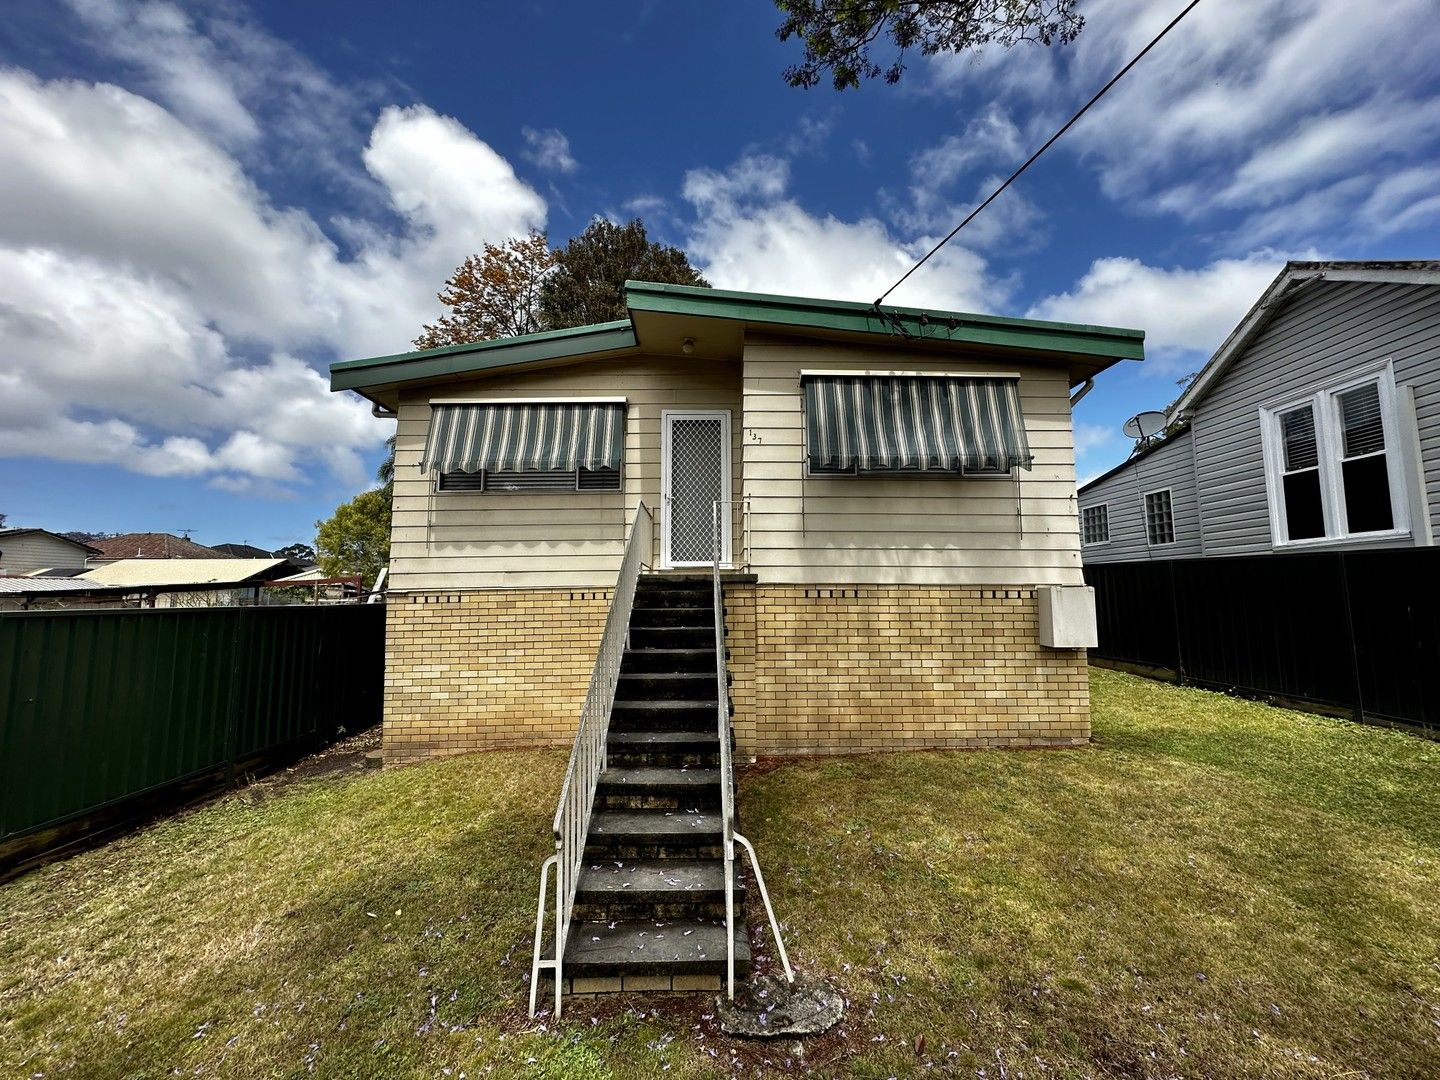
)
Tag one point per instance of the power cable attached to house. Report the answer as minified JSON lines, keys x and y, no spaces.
{"x":1035,"y":156}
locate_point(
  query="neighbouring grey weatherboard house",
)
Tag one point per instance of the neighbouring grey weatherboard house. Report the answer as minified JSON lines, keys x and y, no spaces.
{"x":900,"y":504}
{"x":23,"y":551}
{"x":1315,"y":426}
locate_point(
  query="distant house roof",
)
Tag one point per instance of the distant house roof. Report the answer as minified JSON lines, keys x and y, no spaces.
{"x":243,"y":551}
{"x":155,"y":546}
{"x":168,"y":573}
{"x":710,"y":324}
{"x":7,"y":533}
{"x":1296,"y":276}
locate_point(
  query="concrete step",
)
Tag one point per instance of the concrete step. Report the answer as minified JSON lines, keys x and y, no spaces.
{"x":672,"y":637}
{"x":650,"y":834}
{"x":702,"y":595}
{"x":620,"y":949}
{"x":672,"y":616}
{"x":637,"y":661}
{"x":629,"y":890}
{"x":664,"y":748}
{"x":662,"y":582}
{"x":666,"y":685}
{"x":657,"y":787}
{"x":653,"y":879}
{"x":698,"y":715}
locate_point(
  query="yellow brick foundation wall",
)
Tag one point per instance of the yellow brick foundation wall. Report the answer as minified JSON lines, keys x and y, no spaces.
{"x":894,"y":667}
{"x":487,"y":669}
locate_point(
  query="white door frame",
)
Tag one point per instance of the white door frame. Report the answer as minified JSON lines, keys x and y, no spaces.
{"x":667,"y":417}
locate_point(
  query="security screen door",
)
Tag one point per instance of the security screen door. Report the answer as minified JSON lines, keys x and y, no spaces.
{"x":695,"y":471}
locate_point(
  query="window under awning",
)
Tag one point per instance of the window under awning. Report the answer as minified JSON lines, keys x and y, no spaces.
{"x":524,"y":437}
{"x":924,"y":423}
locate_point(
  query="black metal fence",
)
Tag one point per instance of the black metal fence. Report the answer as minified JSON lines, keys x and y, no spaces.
{"x":1356,"y":633}
{"x":107,"y":714}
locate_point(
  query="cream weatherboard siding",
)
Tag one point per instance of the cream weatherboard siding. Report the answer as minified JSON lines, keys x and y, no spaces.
{"x":1168,"y":466}
{"x":465,"y":540}
{"x":866,"y":530}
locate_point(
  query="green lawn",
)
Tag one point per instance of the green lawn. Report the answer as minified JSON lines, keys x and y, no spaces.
{"x":1214,"y":889}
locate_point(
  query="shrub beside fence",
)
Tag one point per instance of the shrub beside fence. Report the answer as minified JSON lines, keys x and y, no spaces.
{"x":107,"y":714}
{"x":1354,"y":633}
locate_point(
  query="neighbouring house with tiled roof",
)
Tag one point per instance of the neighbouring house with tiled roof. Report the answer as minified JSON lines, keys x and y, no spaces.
{"x":153,"y":545}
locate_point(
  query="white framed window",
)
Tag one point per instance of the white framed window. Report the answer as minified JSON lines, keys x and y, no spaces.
{"x":1159,"y":518}
{"x":1095,"y":524}
{"x":529,"y":480}
{"x":1333,"y":464}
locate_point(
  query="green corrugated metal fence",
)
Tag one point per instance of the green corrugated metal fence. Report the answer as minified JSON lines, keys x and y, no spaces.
{"x":99,"y":707}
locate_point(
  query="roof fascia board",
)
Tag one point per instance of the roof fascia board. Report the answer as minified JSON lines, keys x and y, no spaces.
{"x":482,"y":356}
{"x":924,"y":326}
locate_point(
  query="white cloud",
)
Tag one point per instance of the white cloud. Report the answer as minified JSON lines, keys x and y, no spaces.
{"x":223,"y":75}
{"x":549,"y":150}
{"x":105,"y":366}
{"x":1181,"y":310}
{"x":1092,"y":437}
{"x":1245,"y":104}
{"x":176,"y":64}
{"x":749,"y":235}
{"x":153,"y":298}
{"x":1408,"y":199}
{"x":989,"y":142}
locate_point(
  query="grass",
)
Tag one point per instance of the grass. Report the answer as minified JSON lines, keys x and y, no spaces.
{"x":1215,"y":889}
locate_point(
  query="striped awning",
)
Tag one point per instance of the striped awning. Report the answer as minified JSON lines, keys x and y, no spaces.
{"x":530,"y":436}
{"x":923,"y":423}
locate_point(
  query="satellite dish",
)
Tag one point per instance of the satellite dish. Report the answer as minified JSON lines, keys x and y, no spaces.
{"x":1145,"y":425}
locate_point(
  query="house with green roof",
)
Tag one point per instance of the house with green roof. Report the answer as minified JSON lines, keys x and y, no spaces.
{"x":728,"y":523}
{"x":897,"y":490}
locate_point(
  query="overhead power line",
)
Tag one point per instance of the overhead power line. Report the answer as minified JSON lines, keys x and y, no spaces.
{"x":1048,"y":143}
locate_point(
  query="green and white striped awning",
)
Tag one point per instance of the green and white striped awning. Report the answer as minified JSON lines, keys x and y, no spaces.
{"x":920,"y":422}
{"x":529,"y":436}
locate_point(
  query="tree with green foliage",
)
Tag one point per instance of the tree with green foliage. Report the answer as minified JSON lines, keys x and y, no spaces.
{"x":356,"y":538}
{"x":838,"y":34}
{"x":301,"y":553}
{"x":587,"y":285}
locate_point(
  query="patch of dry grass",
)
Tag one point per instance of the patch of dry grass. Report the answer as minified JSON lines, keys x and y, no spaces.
{"x":1214,"y":889}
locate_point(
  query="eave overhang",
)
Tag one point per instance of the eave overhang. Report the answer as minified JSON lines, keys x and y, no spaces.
{"x":663,"y":317}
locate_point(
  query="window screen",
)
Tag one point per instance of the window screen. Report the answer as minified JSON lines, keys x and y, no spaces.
{"x":1364,"y":473}
{"x":1159,"y":521}
{"x":531,"y":480}
{"x":1300,"y":480}
{"x":1095,"y":524}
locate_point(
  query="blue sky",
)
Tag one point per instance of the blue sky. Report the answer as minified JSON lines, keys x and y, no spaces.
{"x":203,"y":204}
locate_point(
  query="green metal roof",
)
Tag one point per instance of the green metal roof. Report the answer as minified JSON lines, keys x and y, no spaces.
{"x":482,"y":355}
{"x":757,"y":309}
{"x":927,"y":324}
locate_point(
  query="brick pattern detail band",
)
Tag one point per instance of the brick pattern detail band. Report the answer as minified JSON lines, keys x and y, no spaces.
{"x":814,"y":670}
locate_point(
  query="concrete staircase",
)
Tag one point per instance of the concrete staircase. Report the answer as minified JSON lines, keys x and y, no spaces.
{"x":649,"y":908}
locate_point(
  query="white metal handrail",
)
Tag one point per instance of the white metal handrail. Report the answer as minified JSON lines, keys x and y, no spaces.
{"x":720,"y":519}
{"x":587,"y":758}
